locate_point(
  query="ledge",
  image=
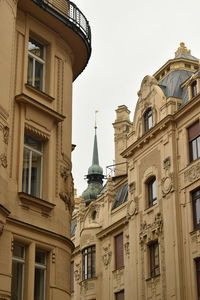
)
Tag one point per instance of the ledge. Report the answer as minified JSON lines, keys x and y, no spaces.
{"x":112,"y":227}
{"x":29,"y":202}
{"x":25,"y":99}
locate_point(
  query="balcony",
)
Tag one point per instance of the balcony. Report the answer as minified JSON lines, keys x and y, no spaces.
{"x":66,"y":18}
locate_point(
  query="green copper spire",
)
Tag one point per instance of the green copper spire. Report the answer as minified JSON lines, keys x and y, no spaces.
{"x":95,"y":175}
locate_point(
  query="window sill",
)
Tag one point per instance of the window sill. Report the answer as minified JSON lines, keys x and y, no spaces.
{"x":88,"y":279}
{"x":151,"y":208}
{"x":152,"y":277}
{"x":37,"y":204}
{"x":118,"y":270}
{"x":39,"y":92}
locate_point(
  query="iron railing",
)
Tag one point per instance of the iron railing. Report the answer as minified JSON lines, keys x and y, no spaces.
{"x":71,"y":12}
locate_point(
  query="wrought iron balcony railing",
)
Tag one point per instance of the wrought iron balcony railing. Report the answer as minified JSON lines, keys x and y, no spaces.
{"x":68,"y":11}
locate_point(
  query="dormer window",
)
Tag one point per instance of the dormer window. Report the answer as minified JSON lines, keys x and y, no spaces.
{"x":148,"y":119}
{"x":194,"y":88}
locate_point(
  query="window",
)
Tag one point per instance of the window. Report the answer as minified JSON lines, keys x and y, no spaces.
{"x":152,"y":192}
{"x":36,"y":64}
{"x":194,"y":88}
{"x":121,"y":196}
{"x":197,"y":261}
{"x":40,"y":275}
{"x":72,"y":277}
{"x":89,"y":257}
{"x":196,"y":208}
{"x":32,"y":166}
{"x":119,"y":295}
{"x":148,"y":119}
{"x":194,"y":140}
{"x":119,"y":251}
{"x":18,"y":266}
{"x":154,"y":259}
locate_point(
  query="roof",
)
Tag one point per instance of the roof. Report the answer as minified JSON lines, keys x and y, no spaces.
{"x":121,"y":196}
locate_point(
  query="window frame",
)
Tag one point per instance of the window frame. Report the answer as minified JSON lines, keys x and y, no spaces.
{"x":32,"y":151}
{"x":22,"y":261}
{"x":154,"y":269}
{"x":197,"y":267}
{"x":194,"y":140}
{"x":41,"y":266}
{"x":194,"y":210}
{"x":119,"y":250}
{"x":35,"y":59}
{"x":150,"y":191}
{"x":89,"y":262}
{"x":194,"y":88}
{"x":148,"y":115}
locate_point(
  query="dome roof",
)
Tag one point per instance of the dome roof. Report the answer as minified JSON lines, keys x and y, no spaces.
{"x":95,"y":169}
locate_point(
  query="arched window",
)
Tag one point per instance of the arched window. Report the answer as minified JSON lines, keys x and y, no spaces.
{"x":148,"y":119}
{"x":152,"y":191}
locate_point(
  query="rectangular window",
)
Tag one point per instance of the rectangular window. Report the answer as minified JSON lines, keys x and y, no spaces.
{"x":119,"y":251}
{"x":152,"y":192}
{"x":89,"y":260}
{"x":32,"y":166}
{"x":194,"y":88}
{"x":36,"y":64}
{"x":119,"y":295}
{"x":18,"y":266}
{"x":154,"y":259}
{"x":72,"y":277}
{"x":196,"y":208}
{"x":40,"y":275}
{"x":194,"y":140}
{"x":198,"y":276}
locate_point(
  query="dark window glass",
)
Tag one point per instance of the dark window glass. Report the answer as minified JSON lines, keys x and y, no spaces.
{"x":119,"y":251}
{"x":119,"y":295}
{"x":194,"y":140}
{"x":196,"y":208}
{"x":148,"y":119}
{"x":121,"y":196}
{"x":154,"y":259}
{"x":89,"y":260}
{"x":72,"y":277}
{"x":152,"y":192}
{"x":40,"y":275}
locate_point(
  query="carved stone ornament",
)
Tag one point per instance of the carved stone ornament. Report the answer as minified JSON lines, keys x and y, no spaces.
{"x":167,"y":184}
{"x":192,"y":174}
{"x":64,"y":172}
{"x":132,"y":207}
{"x":167,"y":163}
{"x":3,"y":160}
{"x":127,"y":248}
{"x":66,"y":198}
{"x":107,"y":255}
{"x":5,"y":131}
{"x":149,"y":232}
{"x":77,"y":271}
{"x":84,"y":286}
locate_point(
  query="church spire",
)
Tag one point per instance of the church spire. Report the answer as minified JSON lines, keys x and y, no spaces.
{"x":95,"y":174}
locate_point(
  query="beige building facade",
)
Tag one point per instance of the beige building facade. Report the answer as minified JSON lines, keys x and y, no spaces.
{"x":45,"y":45}
{"x":139,"y":236}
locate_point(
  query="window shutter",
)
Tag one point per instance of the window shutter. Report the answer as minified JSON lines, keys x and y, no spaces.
{"x":119,"y":251}
{"x":194,"y":131}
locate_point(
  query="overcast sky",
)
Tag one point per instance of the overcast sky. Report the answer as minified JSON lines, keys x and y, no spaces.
{"x":130,"y":39}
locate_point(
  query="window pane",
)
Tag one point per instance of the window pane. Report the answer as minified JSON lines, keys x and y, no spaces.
{"x":39,"y":284}
{"x":30,"y":71}
{"x":35,"y":174}
{"x":17,"y":281}
{"x":32,"y":143}
{"x":40,"y":257}
{"x":25,"y":175}
{"x":18,"y":251}
{"x":154,"y":194}
{"x":36,"y":48}
{"x":38,"y":75}
{"x":197,"y":211}
{"x":198,"y":146}
{"x":194,"y":149}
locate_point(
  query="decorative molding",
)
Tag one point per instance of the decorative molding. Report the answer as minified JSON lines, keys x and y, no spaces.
{"x":132,"y":207}
{"x":53,"y":258}
{"x":3,"y":160}
{"x":77,"y":271}
{"x":192,"y":174}
{"x":127,"y":245}
{"x":148,"y":232}
{"x":167,"y":184}
{"x":167,"y":163}
{"x":35,"y":131}
{"x":64,"y":172}
{"x":106,"y":257}
{"x":1,"y":227}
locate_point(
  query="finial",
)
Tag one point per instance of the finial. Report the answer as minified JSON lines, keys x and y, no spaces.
{"x":182,"y":50}
{"x":95,"y":127}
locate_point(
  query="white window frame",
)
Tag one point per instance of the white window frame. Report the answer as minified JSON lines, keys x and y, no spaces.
{"x":40,"y":60}
{"x":30,"y":166}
